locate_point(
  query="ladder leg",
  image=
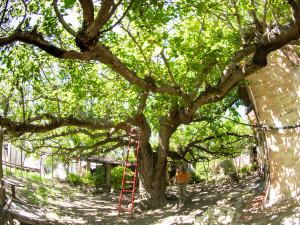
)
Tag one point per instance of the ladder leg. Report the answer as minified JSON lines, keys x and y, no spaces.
{"x":138,"y":137}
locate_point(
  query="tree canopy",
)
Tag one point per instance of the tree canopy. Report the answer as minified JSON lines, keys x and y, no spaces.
{"x":77,"y":75}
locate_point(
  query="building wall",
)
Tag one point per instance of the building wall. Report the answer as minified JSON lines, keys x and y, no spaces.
{"x":276,"y":94}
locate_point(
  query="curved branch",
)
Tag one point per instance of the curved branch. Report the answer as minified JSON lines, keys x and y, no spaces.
{"x":62,"y":21}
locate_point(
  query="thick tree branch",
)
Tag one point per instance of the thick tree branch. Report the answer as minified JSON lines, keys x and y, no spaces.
{"x":101,"y":19}
{"x":273,"y":40}
{"x":142,"y":104}
{"x":88,"y":11}
{"x":12,"y":127}
{"x":35,"y":38}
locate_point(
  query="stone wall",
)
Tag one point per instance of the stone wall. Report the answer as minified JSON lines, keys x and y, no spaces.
{"x":275,"y":94}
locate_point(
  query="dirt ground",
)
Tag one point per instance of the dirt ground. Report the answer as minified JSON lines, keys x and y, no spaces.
{"x":75,"y":205}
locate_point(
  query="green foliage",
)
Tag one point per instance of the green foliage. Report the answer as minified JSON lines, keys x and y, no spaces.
{"x":74,"y":179}
{"x":200,"y":170}
{"x":194,"y":176}
{"x":94,"y":94}
{"x":245,"y":170}
{"x":93,"y":180}
{"x":97,"y":177}
{"x":117,"y":177}
{"x":88,"y":179}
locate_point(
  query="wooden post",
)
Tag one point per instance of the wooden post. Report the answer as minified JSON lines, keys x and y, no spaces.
{"x":205,"y":171}
{"x":10,"y":156}
{"x":52,"y":173}
{"x":88,"y":166}
{"x":1,"y":150}
{"x":41,"y":166}
{"x":108,"y":170}
{"x":22,"y":163}
{"x":15,"y":160}
{"x":5,"y":158}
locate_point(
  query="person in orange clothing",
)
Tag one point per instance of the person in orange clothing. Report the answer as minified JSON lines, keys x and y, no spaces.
{"x":183,"y":179}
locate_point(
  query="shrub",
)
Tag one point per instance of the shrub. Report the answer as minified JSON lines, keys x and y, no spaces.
{"x":97,"y":177}
{"x":88,"y":179}
{"x":74,"y":179}
{"x":93,"y":179}
{"x":117,"y":177}
{"x":245,"y":170}
{"x":194,"y":176}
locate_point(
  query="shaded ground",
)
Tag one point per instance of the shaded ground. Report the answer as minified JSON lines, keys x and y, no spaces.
{"x":70,"y":205}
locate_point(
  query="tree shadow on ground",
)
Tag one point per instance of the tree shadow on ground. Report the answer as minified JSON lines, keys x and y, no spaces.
{"x":65,"y":204}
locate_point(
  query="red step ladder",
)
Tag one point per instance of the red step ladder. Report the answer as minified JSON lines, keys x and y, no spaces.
{"x":135,"y":138}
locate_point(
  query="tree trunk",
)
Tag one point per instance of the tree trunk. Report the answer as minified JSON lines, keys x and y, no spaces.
{"x":1,"y":150}
{"x":152,"y":171}
{"x":152,"y":191}
{"x":152,"y":164}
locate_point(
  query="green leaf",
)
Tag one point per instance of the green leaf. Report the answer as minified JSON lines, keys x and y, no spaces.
{"x":69,"y":3}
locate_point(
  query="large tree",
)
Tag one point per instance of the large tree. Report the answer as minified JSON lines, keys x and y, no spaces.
{"x":78,"y":75}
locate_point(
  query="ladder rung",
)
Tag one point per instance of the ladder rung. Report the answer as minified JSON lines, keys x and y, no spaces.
{"x":136,"y":146}
{"x":126,"y":208}
{"x":126,"y":199}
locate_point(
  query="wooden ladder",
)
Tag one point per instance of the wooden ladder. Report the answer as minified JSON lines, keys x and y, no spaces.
{"x":135,"y":138}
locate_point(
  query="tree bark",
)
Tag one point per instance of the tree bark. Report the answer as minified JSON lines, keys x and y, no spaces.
{"x":152,"y":169}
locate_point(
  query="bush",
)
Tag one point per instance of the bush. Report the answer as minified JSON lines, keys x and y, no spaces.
{"x":93,"y":180}
{"x":194,"y":176}
{"x":117,"y":177}
{"x":97,"y":177}
{"x":74,"y":179}
{"x":88,"y":179}
{"x":245,"y":170}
